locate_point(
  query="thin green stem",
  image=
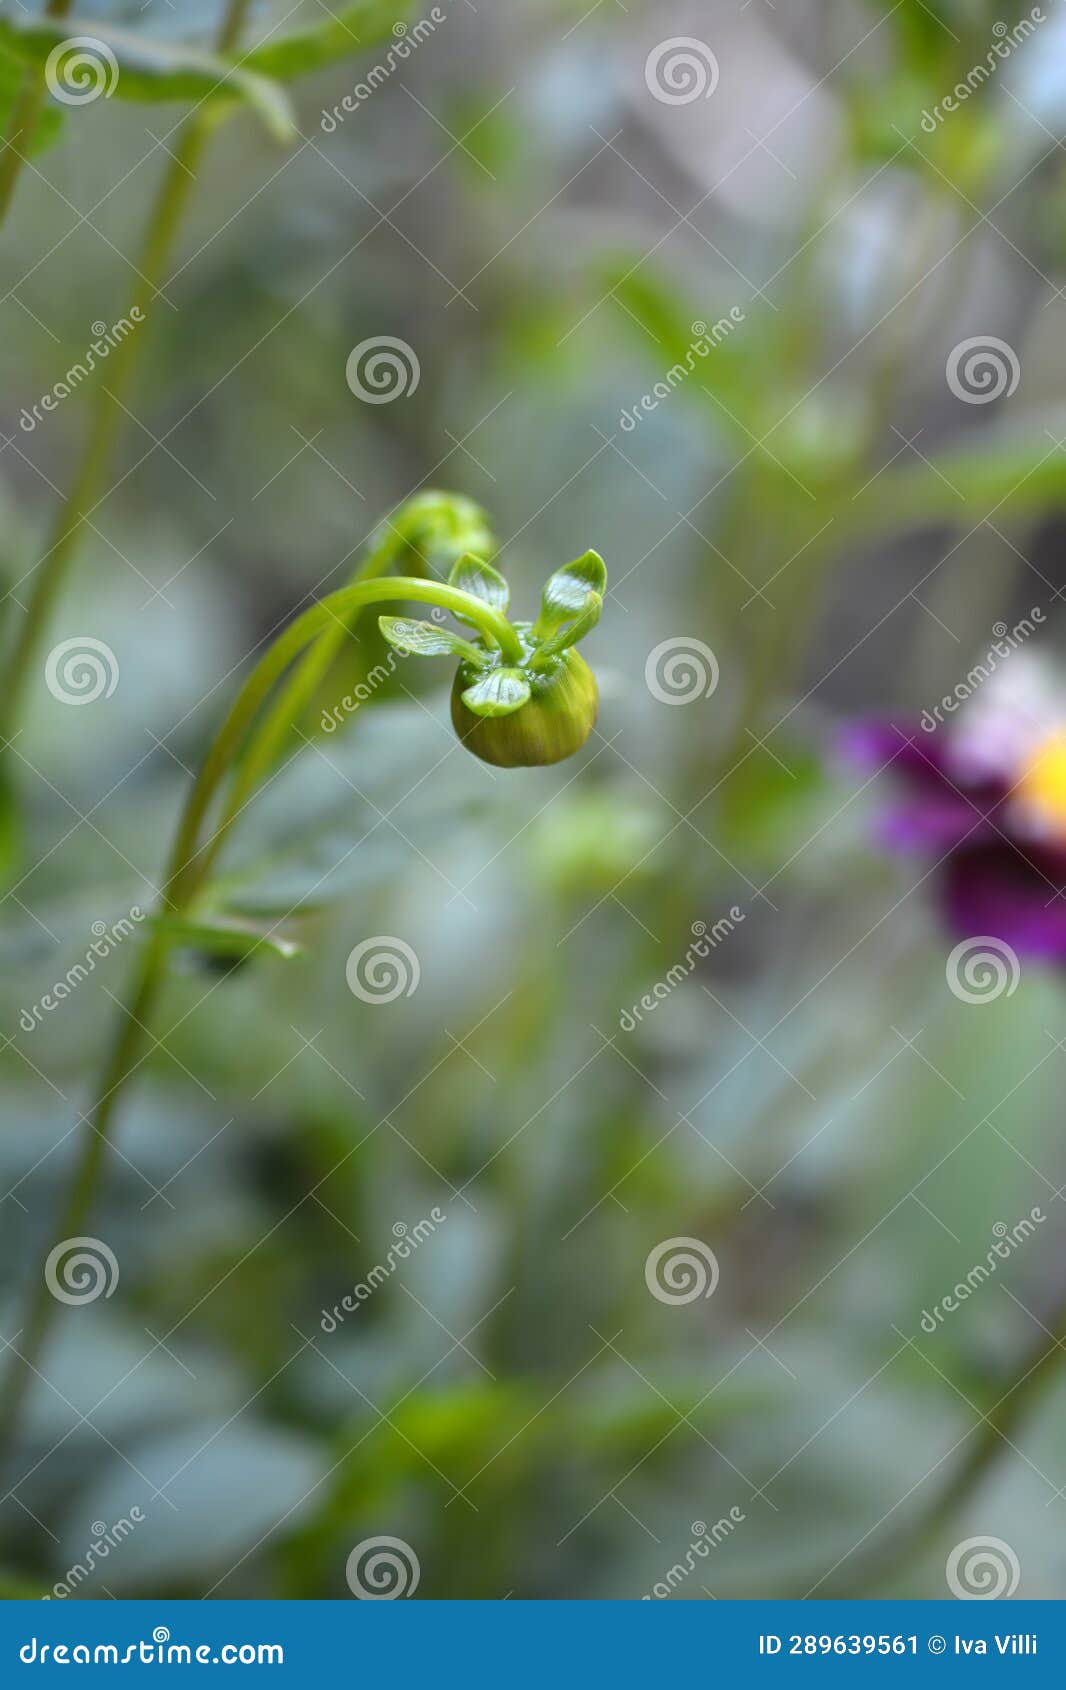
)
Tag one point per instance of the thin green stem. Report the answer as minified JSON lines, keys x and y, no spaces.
{"x":232,"y":26}
{"x":87,"y":490}
{"x":24,"y":116}
{"x":159,"y":240}
{"x":490,"y":623}
{"x":289,"y":707}
{"x":906,"y":1545}
{"x":123,"y":1058}
{"x":185,"y":875}
{"x":292,"y":701}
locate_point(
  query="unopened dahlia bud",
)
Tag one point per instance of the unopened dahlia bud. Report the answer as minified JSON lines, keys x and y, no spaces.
{"x":536,"y":701}
{"x":545,"y":716}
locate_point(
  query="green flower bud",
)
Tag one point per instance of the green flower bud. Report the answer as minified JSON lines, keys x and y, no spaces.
{"x":554,"y":720}
{"x":522,"y":697}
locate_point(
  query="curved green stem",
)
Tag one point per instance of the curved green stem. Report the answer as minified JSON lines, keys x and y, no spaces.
{"x":995,"y":1434}
{"x":87,"y":489}
{"x":185,"y":874}
{"x":158,"y":245}
{"x":185,"y":862}
{"x":293,"y":699}
{"x":289,"y":707}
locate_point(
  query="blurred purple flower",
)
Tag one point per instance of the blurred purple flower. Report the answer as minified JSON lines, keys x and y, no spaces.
{"x":983,"y":794}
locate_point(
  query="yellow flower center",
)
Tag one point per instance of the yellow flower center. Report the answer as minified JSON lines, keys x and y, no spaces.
{"x":1041,"y":792}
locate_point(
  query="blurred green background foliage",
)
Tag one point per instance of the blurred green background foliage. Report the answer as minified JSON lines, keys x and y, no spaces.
{"x":812,"y":504}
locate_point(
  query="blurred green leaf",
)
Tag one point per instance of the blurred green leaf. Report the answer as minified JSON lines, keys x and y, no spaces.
{"x":924,"y":29}
{"x":133,"y":67}
{"x":655,"y":306}
{"x":884,"y":114}
{"x":769,"y":805}
{"x":492,"y":139}
{"x":351,"y":29}
{"x":592,"y":841}
{"x":227,"y":936}
{"x":49,"y":121}
{"x":1015,"y":470}
{"x":14,"y":1588}
{"x":10,"y":831}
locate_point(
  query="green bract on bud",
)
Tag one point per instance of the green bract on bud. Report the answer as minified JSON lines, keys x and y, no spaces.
{"x":528,"y":699}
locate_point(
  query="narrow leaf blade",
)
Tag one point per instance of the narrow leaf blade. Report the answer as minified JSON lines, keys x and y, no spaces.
{"x":226,"y":936}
